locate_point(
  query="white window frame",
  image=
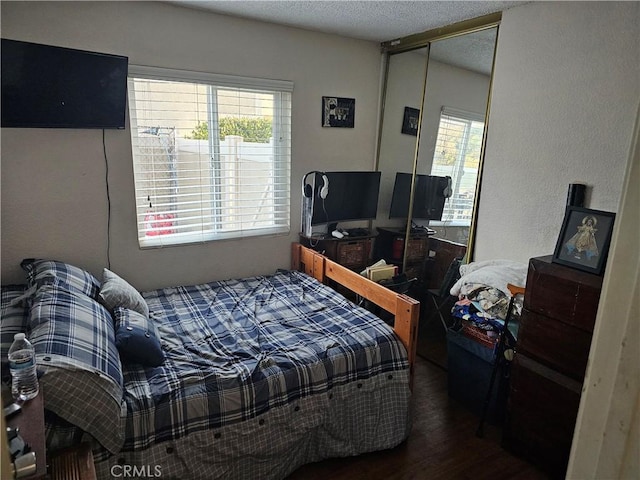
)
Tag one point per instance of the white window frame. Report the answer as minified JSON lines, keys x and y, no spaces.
{"x":281,"y":155}
{"x":457,"y":170}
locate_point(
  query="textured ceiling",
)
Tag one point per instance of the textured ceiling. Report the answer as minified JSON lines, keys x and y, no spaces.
{"x":473,"y":51}
{"x":377,"y":21}
{"x":367,"y":20}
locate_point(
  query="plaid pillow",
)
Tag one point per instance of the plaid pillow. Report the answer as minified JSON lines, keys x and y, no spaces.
{"x":68,"y":324}
{"x":45,"y":272}
{"x":78,"y":363}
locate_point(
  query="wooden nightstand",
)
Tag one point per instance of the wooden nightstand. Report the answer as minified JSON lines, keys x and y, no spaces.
{"x":73,"y":463}
{"x":30,"y":423}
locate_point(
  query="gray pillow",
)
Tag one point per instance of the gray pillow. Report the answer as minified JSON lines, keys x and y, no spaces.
{"x":116,"y":292}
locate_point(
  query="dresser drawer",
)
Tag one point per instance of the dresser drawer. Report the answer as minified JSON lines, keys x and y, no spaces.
{"x":558,"y":345}
{"x":542,"y":411}
{"x":545,"y":397}
{"x":562,"y":293}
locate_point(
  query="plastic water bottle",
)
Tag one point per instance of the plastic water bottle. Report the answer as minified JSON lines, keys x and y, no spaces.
{"x":22,"y":364}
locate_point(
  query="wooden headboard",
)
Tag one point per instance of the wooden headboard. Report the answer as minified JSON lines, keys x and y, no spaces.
{"x":406,"y":310}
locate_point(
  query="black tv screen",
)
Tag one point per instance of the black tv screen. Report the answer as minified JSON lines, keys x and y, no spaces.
{"x":54,"y":87}
{"x":428,"y":201}
{"x":351,"y":196}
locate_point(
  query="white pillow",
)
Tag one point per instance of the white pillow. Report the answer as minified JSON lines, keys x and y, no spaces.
{"x":493,"y":273}
{"x":116,"y":292}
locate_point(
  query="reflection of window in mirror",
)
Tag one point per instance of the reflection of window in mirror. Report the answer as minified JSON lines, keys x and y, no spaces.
{"x":457,"y":155}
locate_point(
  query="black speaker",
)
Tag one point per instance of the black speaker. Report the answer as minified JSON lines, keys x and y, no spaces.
{"x":575,"y":196}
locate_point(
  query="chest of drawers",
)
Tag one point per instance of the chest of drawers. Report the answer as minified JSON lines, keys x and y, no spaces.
{"x":554,"y":338}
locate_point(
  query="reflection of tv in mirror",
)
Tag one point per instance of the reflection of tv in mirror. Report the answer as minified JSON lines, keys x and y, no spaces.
{"x":429,"y":197}
{"x":352,"y":196}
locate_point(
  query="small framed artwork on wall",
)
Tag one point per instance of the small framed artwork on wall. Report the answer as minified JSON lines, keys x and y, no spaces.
{"x":410,"y":121}
{"x":338,"y":112}
{"x":584,"y":239}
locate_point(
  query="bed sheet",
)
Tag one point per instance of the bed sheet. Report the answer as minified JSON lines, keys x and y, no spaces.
{"x":237,"y":349}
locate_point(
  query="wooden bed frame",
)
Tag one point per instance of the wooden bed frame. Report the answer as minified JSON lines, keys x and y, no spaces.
{"x":405,"y":309}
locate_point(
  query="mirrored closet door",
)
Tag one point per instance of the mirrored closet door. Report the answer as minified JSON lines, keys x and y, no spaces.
{"x":435,"y":112}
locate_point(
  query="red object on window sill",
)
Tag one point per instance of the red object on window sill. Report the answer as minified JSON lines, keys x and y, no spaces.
{"x":158,"y":224}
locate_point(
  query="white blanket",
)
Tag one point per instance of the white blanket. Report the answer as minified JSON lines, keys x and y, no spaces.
{"x":493,"y":273}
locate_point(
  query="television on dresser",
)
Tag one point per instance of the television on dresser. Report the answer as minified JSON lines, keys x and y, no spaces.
{"x":45,"y":86}
{"x":350,"y":196}
{"x":430,"y":195}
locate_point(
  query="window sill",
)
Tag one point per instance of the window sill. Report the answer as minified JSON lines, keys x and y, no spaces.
{"x":177,"y":240}
{"x":452,"y":223}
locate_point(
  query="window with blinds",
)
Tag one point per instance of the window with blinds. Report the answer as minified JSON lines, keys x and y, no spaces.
{"x":211,"y":155}
{"x":457,"y":155}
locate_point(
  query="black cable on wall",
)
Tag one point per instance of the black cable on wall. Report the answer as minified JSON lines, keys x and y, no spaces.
{"x":106,"y":165}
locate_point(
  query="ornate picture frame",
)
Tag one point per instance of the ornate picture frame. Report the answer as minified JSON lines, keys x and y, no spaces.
{"x":584,"y":239}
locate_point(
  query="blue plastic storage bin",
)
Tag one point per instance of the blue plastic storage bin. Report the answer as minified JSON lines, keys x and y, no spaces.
{"x":469,"y":372}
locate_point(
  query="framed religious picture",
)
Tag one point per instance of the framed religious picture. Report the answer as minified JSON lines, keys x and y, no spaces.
{"x":584,"y":239}
{"x":410,"y":121}
{"x":338,"y":112}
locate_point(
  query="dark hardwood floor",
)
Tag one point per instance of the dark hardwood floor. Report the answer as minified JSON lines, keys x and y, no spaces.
{"x":442,"y":444}
{"x":432,"y":339}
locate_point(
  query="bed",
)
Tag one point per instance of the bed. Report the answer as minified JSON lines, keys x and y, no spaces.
{"x":246,"y":378}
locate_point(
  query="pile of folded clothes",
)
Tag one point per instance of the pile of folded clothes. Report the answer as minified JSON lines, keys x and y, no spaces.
{"x":483,"y":299}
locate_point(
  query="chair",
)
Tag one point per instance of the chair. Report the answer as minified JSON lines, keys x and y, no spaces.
{"x":440,"y":299}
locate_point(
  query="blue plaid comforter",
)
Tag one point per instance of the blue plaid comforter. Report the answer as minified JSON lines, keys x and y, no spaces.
{"x":237,"y":348}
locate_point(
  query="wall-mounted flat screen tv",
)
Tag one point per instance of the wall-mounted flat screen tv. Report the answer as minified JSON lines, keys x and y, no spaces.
{"x":351,"y":196}
{"x":428,"y":201}
{"x":54,"y":87}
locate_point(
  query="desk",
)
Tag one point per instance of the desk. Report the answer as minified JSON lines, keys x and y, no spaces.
{"x":390,"y":247}
{"x":350,"y":252}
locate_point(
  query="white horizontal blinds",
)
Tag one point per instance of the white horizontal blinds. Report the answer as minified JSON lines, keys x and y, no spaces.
{"x":210,"y":161}
{"x":457,"y":155}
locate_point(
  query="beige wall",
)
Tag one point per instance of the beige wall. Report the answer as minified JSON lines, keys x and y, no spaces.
{"x":53,"y":181}
{"x":566,"y":86}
